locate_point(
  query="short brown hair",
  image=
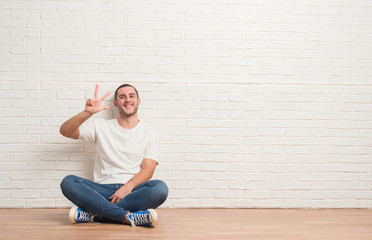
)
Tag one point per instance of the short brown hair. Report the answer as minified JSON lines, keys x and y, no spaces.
{"x":125,"y":85}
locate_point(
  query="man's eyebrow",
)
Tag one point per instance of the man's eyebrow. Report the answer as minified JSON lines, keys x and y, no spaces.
{"x":130,"y":94}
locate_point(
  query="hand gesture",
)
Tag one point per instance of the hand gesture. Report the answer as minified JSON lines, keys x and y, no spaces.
{"x":93,"y":105}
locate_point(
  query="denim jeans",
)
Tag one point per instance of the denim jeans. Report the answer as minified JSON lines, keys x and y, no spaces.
{"x":94,"y":197}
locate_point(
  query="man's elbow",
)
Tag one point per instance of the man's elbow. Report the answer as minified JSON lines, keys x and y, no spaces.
{"x":73,"y":135}
{"x":63,"y":132}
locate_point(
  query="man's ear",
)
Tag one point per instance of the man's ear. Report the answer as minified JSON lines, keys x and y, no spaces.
{"x":139,"y":101}
{"x":115,"y":103}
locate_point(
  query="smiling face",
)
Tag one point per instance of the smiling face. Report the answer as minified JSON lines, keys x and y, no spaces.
{"x":127,"y":101}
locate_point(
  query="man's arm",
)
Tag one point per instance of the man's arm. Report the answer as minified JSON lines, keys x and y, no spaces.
{"x":147,"y":170}
{"x":70,"y":128}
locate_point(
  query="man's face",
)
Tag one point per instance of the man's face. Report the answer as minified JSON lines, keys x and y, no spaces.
{"x":127,"y":101}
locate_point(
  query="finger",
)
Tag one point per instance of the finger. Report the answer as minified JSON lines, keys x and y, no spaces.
{"x":96,"y":91}
{"x":106,"y":95}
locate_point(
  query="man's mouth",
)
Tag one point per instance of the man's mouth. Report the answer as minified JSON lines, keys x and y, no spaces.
{"x":128,"y":105}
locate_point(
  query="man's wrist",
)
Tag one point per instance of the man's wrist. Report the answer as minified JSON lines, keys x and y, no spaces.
{"x":87,"y":113}
{"x":129,"y":185}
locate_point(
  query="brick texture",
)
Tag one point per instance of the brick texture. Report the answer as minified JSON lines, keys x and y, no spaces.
{"x":261,"y":104}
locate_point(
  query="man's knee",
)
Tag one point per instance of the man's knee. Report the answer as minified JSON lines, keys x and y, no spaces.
{"x":68,"y":181}
{"x":161,"y":189}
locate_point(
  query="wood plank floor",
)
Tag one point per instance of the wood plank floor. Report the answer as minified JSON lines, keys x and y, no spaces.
{"x":234,"y":224}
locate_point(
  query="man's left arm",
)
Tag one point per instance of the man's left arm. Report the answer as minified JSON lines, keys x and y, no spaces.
{"x":147,"y":170}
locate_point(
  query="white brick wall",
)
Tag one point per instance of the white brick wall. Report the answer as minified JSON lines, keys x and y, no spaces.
{"x":260,"y":103}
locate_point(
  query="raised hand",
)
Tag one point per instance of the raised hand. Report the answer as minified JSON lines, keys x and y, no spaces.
{"x":93,"y":105}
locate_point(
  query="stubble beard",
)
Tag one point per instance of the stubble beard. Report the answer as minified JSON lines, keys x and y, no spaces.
{"x":127,"y":115}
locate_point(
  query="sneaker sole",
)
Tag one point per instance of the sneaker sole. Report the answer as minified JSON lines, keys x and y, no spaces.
{"x":71,"y":215}
{"x":153,"y":217}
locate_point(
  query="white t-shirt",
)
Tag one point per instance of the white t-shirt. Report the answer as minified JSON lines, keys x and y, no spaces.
{"x":119,"y":151}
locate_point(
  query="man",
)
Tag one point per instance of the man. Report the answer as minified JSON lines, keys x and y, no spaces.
{"x":127,"y":153}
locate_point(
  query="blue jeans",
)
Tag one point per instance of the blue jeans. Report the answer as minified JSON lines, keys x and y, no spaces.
{"x":94,"y":197}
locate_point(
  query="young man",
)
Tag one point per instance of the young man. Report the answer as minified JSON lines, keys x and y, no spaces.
{"x":127,"y":153}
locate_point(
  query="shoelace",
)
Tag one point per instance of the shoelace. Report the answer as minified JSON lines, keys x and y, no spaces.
{"x":137,"y":219}
{"x":84,"y":216}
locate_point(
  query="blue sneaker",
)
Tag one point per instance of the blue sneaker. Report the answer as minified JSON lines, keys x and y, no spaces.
{"x":148,"y":218}
{"x":78,"y":215}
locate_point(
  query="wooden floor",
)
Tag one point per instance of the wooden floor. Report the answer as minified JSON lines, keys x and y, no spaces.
{"x":191,"y":224}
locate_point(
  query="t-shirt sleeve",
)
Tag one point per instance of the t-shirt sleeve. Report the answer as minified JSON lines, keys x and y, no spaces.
{"x":152,"y":150}
{"x":88,"y":131}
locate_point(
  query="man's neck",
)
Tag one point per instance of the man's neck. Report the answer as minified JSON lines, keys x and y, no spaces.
{"x":128,"y":122}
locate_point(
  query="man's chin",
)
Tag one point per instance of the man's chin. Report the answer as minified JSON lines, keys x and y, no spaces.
{"x":127,"y":114}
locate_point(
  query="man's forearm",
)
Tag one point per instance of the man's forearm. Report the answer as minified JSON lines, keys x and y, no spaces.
{"x":141,"y":177}
{"x":147,"y":170}
{"x":145,"y":174}
{"x":70,"y":128}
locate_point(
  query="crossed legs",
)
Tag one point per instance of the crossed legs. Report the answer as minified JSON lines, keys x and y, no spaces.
{"x":94,"y":197}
